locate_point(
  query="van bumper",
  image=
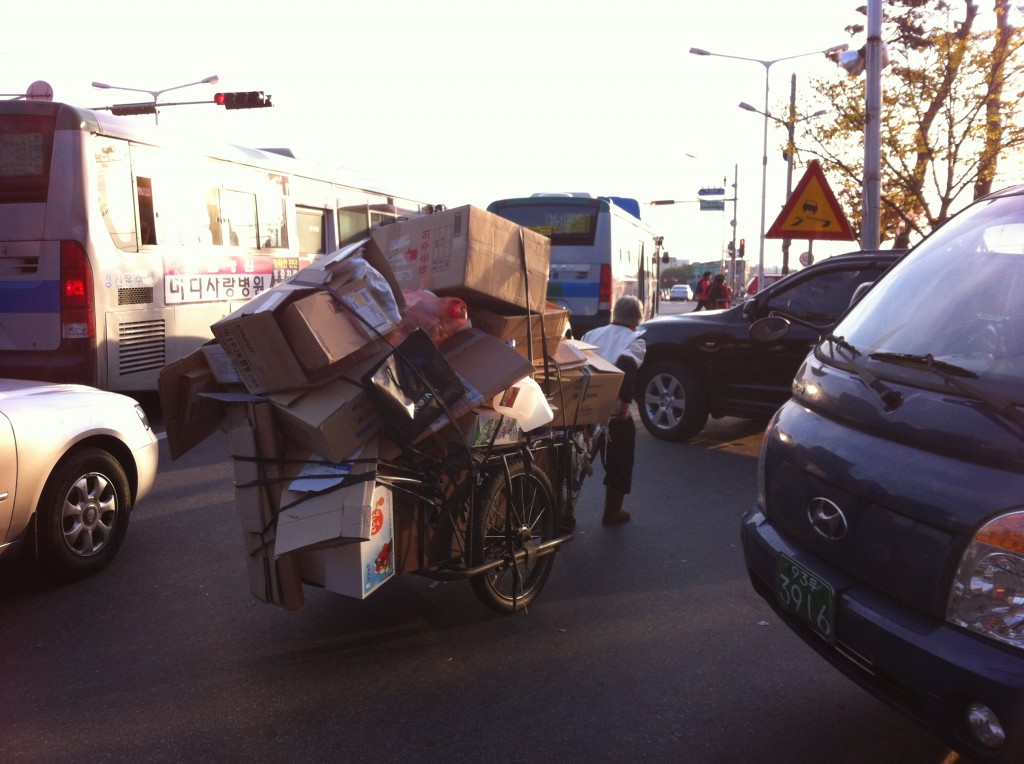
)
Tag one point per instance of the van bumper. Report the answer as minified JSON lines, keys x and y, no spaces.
{"x":925,"y":668}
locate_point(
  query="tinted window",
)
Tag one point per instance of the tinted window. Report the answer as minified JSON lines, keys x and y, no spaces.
{"x":823,"y":296}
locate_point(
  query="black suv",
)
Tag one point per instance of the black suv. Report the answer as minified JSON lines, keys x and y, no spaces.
{"x":705,"y":364}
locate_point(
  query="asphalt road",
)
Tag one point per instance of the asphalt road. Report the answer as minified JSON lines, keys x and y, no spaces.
{"x":648,"y":644}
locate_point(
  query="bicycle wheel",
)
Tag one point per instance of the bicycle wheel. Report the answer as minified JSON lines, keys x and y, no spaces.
{"x":508,"y":516}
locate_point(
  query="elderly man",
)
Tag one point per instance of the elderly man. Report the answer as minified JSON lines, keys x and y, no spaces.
{"x":620,"y":344}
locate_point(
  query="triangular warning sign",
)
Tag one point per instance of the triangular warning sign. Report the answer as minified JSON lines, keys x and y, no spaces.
{"x":811,"y":212}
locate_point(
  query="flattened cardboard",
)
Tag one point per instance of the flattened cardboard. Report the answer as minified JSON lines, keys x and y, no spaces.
{"x":332,"y":515}
{"x":469,"y":253}
{"x":189,"y":416}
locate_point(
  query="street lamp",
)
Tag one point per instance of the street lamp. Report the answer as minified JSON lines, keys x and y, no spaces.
{"x":155,"y":94}
{"x":790,"y":124}
{"x":767,"y":64}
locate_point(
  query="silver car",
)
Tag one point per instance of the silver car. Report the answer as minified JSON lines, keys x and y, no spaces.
{"x":73,"y":463}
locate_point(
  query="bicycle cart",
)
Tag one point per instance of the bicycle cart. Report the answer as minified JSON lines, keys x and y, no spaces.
{"x":493,"y":516}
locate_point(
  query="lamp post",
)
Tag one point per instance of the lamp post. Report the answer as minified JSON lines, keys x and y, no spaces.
{"x":767,"y":64}
{"x":155,"y":94}
{"x":790,"y":124}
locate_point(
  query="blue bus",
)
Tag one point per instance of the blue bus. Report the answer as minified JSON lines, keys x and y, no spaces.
{"x":600,"y":250}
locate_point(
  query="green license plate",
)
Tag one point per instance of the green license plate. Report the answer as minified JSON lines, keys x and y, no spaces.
{"x":806,"y":595}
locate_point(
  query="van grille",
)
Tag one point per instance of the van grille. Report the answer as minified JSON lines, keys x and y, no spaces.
{"x":135,"y":296}
{"x":141,"y":346}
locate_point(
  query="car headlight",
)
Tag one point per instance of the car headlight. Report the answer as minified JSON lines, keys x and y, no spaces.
{"x":142,"y":416}
{"x":988,"y":590}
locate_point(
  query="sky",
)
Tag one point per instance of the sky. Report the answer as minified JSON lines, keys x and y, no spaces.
{"x":464,"y":101}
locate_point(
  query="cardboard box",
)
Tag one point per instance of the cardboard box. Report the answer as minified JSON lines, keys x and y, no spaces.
{"x":326,"y":503}
{"x":359,"y":568}
{"x":253,"y":339}
{"x":549,"y":325}
{"x":470,"y":253}
{"x":583,"y":389}
{"x":333,"y":419}
{"x":189,"y":417}
{"x":320,"y":331}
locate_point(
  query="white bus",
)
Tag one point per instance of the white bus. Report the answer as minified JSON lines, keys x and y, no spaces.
{"x":120,"y":244}
{"x":600,"y":250}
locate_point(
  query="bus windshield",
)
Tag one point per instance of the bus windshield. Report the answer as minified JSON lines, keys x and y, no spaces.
{"x":562,"y":223}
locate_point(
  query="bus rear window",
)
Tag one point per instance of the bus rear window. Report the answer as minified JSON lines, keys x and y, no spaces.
{"x":563,"y":224}
{"x":26,"y":143}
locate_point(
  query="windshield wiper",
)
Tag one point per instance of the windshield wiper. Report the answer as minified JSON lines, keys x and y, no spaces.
{"x":926,"y":361}
{"x":889,"y":397}
{"x":953,"y":375}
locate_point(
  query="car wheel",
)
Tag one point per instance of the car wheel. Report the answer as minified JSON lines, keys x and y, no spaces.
{"x":673,"y":403}
{"x":82,"y":516}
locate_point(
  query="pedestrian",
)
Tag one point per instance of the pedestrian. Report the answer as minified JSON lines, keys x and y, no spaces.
{"x":703,"y":287}
{"x":620,"y":344}
{"x":719,"y":295}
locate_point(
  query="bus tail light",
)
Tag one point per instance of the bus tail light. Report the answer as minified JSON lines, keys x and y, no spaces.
{"x":77,"y":307}
{"x":604,"y":288}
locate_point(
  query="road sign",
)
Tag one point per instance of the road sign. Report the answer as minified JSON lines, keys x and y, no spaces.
{"x":806,"y":259}
{"x":711,"y":192}
{"x":812,"y":211}
{"x":712,"y":204}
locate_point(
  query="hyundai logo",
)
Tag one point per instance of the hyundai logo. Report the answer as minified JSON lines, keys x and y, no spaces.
{"x":827,"y":519}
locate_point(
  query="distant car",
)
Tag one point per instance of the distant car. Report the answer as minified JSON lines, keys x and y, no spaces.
{"x":680,"y":292}
{"x":703,"y":364}
{"x":73,"y":463}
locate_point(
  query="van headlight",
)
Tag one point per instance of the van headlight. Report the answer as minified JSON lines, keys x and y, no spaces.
{"x":987,"y":596}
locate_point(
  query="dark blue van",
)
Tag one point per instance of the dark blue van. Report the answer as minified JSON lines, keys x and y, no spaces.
{"x":888,"y":529}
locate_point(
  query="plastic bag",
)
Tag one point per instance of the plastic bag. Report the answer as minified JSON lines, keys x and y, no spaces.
{"x":439,"y":317}
{"x":412,"y":387}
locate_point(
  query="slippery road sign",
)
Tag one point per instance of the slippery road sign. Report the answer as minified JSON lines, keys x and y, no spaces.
{"x":811,"y":212}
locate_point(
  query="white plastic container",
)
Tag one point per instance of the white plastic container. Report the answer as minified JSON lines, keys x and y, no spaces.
{"x":524,"y":401}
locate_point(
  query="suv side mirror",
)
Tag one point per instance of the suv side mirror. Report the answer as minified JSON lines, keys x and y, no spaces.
{"x":859,"y":292}
{"x":769,"y":329}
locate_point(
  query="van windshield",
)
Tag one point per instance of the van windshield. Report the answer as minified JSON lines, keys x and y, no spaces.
{"x":958,"y":297}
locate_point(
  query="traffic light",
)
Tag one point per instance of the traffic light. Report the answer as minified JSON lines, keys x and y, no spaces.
{"x":743,"y":248}
{"x":131,"y":109}
{"x":252,"y":99}
{"x":731,"y":248}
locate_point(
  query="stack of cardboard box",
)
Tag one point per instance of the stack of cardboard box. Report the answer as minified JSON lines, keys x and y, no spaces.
{"x":283,"y":377}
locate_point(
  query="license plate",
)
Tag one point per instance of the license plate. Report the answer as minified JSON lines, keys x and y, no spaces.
{"x":806,"y":595}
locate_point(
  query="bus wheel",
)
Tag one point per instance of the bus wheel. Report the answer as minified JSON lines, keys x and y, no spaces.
{"x":673,"y":403}
{"x":82,"y":516}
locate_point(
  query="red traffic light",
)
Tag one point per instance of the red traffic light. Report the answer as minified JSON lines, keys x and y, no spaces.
{"x":743,"y":248}
{"x":251,"y":99}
